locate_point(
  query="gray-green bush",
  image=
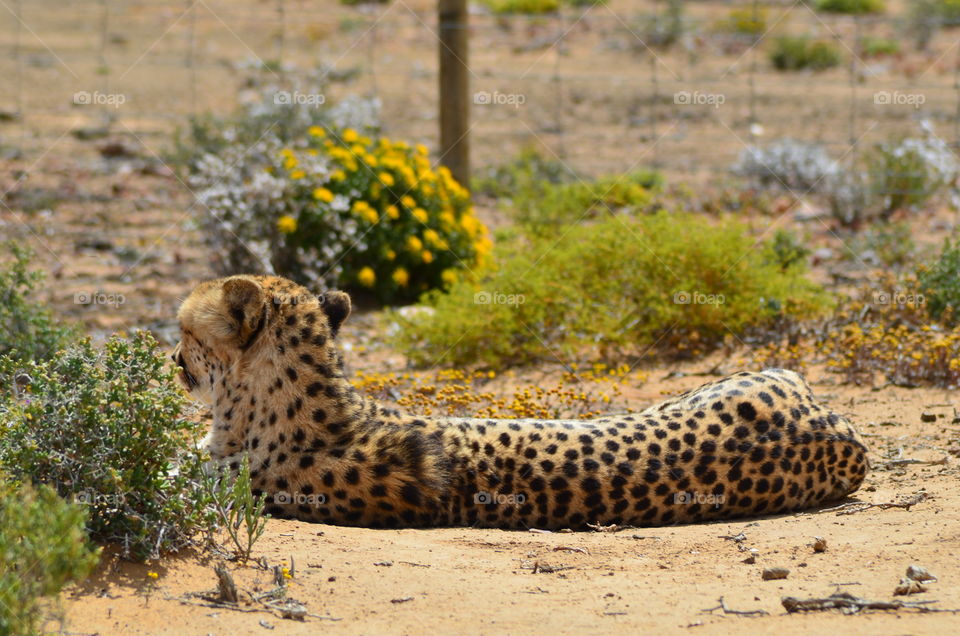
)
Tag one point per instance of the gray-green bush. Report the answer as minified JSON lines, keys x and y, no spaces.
{"x":105,"y":428}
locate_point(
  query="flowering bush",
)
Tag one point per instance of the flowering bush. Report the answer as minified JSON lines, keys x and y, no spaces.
{"x":907,"y":173}
{"x":340,"y":208}
{"x":787,"y":163}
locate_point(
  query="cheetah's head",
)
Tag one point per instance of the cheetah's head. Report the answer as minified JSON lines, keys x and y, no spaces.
{"x":226,"y":324}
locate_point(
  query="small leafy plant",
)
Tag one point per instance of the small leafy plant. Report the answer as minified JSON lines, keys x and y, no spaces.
{"x":799,"y":53}
{"x":238,"y":510}
{"x":529,"y":7}
{"x":43,"y":547}
{"x":746,"y":21}
{"x":940,"y":283}
{"x":851,"y":7}
{"x":886,"y":243}
{"x":28,"y":330}
{"x":879,"y":47}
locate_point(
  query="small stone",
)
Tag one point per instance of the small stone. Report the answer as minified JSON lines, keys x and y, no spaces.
{"x":918,"y":573}
{"x":819,"y":544}
{"x":928,"y":417}
{"x":772,"y":574}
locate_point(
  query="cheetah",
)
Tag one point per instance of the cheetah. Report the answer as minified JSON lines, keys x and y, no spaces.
{"x":262,"y":353}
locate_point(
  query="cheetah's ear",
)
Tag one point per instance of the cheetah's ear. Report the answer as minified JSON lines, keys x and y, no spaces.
{"x":245,"y":308}
{"x":336,"y":305}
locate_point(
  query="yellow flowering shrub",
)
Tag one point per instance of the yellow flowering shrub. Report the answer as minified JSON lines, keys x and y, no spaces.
{"x":388,"y":222}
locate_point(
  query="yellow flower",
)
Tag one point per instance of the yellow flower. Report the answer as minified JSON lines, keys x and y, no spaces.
{"x":297,"y":174}
{"x":287,"y":224}
{"x":386,"y":179}
{"x":401,"y":277}
{"x":408,"y":202}
{"x":392,"y":212}
{"x":414,"y":244}
{"x":153,"y":575}
{"x":427,"y":256}
{"x":339,"y":175}
{"x":448,"y":276}
{"x":358,"y":150}
{"x":290,"y":162}
{"x":322,"y":194}
{"x":367,"y":277}
{"x":316,"y":131}
{"x":422,"y":150}
{"x":391,"y":255}
{"x":420,"y":214}
{"x":434,"y":239}
{"x":350,"y":135}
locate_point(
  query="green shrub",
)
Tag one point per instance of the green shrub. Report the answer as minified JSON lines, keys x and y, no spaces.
{"x":28,"y":330}
{"x":926,"y":17}
{"x":608,"y":290}
{"x":908,"y":173}
{"x":659,"y":30}
{"x":529,"y":170}
{"x":851,"y":7}
{"x":42,"y":548}
{"x":105,"y":428}
{"x":543,"y":196}
{"x":940,"y":284}
{"x":546,"y":208}
{"x":529,"y":7}
{"x":799,"y":53}
{"x":879,"y":47}
{"x":746,"y":21}
{"x":888,"y":243}
{"x":788,"y":251}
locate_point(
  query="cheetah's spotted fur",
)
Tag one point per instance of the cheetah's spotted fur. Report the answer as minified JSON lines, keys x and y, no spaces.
{"x":261,"y":352}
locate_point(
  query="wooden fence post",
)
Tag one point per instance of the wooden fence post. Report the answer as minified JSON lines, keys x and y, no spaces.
{"x":454,"y":89}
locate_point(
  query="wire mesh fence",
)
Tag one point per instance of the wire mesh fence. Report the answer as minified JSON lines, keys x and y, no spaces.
{"x":605,"y":88}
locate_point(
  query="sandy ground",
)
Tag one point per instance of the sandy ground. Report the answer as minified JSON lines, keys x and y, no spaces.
{"x":465,"y":580}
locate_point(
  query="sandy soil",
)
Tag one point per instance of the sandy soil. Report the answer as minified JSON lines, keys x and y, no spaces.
{"x":465,"y":580}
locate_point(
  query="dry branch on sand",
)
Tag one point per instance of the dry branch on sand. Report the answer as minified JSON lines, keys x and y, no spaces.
{"x":850,"y":604}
